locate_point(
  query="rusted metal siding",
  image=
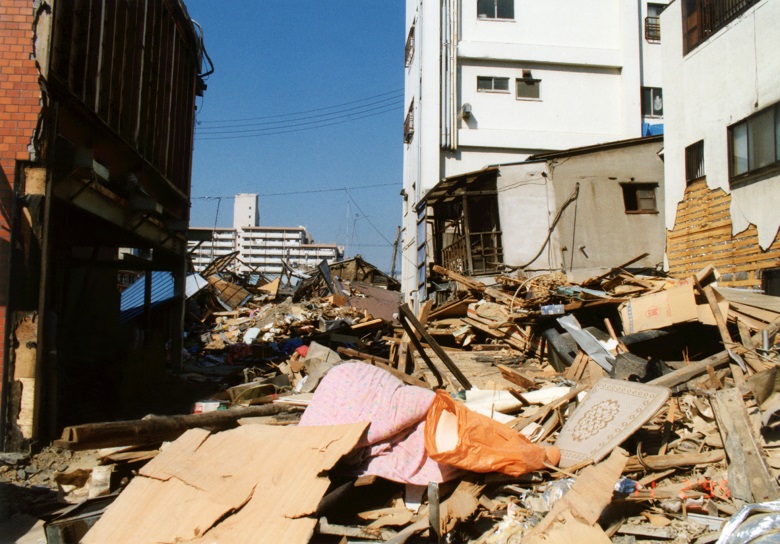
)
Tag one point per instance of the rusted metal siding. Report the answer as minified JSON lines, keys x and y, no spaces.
{"x":134,"y":63}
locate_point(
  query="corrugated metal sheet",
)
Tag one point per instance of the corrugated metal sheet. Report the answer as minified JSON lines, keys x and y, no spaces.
{"x":132,"y":304}
{"x":195,"y":282}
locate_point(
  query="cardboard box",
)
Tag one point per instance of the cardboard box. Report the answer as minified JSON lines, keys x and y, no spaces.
{"x":667,"y":308}
{"x":659,"y":310}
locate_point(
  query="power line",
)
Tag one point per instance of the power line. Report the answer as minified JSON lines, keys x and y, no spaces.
{"x":304,"y":111}
{"x":287,"y":131}
{"x":333,"y":190}
{"x":298,"y":117}
{"x":290,"y":124}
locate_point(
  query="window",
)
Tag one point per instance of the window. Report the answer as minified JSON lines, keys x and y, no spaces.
{"x":653,"y":23}
{"x":639,"y":197}
{"x":652,"y":102}
{"x":703,"y":18}
{"x":755,"y":143}
{"x":694,"y":161}
{"x":528,"y":87}
{"x":410,"y":47}
{"x":409,"y":124}
{"x":496,"y":9}
{"x":493,"y":84}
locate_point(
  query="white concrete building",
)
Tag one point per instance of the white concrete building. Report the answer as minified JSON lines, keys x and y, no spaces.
{"x":261,"y":248}
{"x":246,"y":212}
{"x":722,"y":144}
{"x":495,"y":81}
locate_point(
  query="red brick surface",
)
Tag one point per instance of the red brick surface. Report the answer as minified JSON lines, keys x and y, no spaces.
{"x":19,"y":108}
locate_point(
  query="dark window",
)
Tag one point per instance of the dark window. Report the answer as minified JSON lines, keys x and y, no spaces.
{"x":703,"y":18}
{"x":496,"y":9}
{"x":653,"y":23}
{"x":640,"y":197}
{"x":770,"y":279}
{"x":497,"y":84}
{"x":694,"y":161}
{"x":528,"y":87}
{"x":652,"y":102}
{"x":409,"y":124}
{"x":410,"y":46}
{"x":755,"y":143}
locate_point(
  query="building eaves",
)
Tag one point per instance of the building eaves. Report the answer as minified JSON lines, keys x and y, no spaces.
{"x":594,"y":148}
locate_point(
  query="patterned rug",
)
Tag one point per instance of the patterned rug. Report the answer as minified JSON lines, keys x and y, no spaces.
{"x":610,"y":413}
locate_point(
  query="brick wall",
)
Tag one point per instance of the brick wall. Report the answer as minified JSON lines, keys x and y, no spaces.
{"x":19,"y":107}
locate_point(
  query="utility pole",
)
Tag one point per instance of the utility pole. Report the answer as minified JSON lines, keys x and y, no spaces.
{"x":395,"y":252}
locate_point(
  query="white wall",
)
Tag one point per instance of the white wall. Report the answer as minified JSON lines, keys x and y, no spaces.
{"x":724,"y":80}
{"x":558,"y":23}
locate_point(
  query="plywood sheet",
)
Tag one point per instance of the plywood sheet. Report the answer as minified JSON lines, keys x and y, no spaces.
{"x":255,"y":483}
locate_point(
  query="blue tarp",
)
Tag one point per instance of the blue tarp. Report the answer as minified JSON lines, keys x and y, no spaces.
{"x":132,"y":304}
{"x":652,"y":130}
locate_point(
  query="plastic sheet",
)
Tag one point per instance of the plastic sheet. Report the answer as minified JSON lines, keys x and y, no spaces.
{"x":754,"y":523}
{"x":460,"y":437}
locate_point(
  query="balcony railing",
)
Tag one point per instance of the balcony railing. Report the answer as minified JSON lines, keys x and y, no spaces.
{"x":653,"y":29}
{"x":703,"y":18}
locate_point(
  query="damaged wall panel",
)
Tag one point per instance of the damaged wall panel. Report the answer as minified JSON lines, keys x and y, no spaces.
{"x":702,"y":235}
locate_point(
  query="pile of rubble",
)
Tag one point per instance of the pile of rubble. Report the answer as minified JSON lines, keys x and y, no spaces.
{"x":616,"y":408}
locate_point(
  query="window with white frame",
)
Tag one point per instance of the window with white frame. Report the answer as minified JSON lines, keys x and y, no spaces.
{"x":496,"y":9}
{"x":755,"y":144}
{"x":652,"y":102}
{"x":528,"y":87}
{"x":487,"y":84}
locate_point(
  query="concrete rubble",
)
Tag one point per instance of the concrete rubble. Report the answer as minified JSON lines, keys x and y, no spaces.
{"x":622,"y":407}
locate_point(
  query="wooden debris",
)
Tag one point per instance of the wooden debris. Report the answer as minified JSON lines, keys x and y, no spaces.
{"x":749,"y":476}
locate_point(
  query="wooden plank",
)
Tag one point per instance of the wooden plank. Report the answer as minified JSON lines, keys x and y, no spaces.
{"x":154,"y":429}
{"x":383,"y":364}
{"x":664,"y":462}
{"x":517,"y":377}
{"x":749,"y":477}
{"x":468,"y":282}
{"x":736,"y":371}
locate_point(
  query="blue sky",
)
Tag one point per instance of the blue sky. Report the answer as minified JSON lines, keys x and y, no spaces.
{"x":283,"y":70}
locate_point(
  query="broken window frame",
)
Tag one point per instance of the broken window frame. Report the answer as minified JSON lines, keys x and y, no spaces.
{"x":459,"y":243}
{"x":759,"y":149}
{"x":481,"y":88}
{"x":640,"y":198}
{"x":498,"y":10}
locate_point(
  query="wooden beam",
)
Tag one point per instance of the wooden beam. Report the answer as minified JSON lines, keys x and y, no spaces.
{"x":749,"y":477}
{"x":156,"y":429}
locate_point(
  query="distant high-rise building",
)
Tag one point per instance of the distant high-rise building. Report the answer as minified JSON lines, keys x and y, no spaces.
{"x":261,"y":248}
{"x":246,"y":212}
